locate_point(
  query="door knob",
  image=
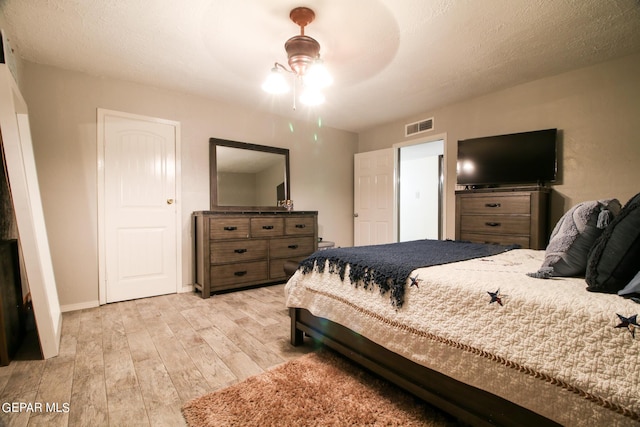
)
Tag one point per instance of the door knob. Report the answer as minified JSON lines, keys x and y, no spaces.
{"x":355,"y":215}
{"x":169,"y":201}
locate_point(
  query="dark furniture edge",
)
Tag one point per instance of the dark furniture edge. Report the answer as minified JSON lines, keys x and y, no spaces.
{"x":253,"y":211}
{"x":542,"y":189}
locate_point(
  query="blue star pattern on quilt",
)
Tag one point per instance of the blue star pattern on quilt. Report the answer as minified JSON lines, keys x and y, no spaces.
{"x":496,"y":297}
{"x":631,"y":323}
{"x":414,"y":281}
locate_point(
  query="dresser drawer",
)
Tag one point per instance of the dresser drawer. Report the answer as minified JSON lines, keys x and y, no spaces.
{"x":299,"y":225}
{"x":267,"y":227}
{"x":238,"y":274}
{"x":238,"y":251}
{"x":495,"y":224}
{"x":501,"y":239}
{"x":496,"y":204}
{"x":516,"y":215}
{"x":291,"y":247}
{"x":228,"y":228}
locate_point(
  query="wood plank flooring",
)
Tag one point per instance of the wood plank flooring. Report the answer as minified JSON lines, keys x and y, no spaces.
{"x":135,"y":363}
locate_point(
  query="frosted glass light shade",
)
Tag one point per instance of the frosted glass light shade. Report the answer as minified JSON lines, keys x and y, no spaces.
{"x":275,"y":83}
{"x":311,"y":96}
{"x":317,"y":76}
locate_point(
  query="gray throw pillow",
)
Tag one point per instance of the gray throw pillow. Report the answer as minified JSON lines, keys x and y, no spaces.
{"x":633,"y":287}
{"x":573,"y":236}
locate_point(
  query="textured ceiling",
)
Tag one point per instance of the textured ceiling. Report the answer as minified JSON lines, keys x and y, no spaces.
{"x":390,"y":58}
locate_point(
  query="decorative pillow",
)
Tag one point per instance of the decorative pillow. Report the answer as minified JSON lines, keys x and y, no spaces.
{"x":574,"y":235}
{"x":633,"y":287}
{"x":614,"y":258}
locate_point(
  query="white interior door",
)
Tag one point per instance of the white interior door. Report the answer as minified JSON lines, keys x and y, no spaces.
{"x":141,"y":255}
{"x":374,"y":197}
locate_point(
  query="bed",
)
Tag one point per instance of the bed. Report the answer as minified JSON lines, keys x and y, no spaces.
{"x":486,"y":338}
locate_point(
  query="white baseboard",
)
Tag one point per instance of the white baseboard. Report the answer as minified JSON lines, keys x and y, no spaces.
{"x":79,"y":306}
{"x":93,"y":304}
{"x":185,"y":289}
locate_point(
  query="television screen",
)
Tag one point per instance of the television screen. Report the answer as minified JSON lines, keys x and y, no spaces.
{"x":519,"y":158}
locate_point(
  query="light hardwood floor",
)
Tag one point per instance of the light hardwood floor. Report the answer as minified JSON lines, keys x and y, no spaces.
{"x":135,"y":363}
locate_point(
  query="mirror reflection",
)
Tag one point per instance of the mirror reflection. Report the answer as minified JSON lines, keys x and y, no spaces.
{"x":247,"y":175}
{"x":249,"y":178}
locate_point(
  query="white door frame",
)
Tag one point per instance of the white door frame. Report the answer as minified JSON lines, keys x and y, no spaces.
{"x":27,"y":204}
{"x":102,"y":114}
{"x":426,"y":140}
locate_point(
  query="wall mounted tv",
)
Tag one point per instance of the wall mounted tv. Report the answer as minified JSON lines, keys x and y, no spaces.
{"x":518,"y":158}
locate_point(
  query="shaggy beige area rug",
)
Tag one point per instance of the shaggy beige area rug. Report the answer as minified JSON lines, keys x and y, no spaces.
{"x":318,"y":389}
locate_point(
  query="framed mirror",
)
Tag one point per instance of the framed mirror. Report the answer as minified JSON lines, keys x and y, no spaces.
{"x":247,"y":176}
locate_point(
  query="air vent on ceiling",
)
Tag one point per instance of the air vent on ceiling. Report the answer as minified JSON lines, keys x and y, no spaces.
{"x":418,"y":127}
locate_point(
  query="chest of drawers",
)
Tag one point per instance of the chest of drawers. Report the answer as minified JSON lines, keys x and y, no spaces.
{"x":504,"y":216}
{"x":236,"y":250}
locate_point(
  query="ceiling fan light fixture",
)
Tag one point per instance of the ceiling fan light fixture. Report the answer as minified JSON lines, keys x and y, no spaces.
{"x":275,"y":83}
{"x":302,"y":52}
{"x":318,"y":76}
{"x":303,"y":55}
{"x":312,"y":96}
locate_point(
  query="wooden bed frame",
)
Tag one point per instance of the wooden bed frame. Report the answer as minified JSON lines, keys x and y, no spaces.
{"x":468,"y":404}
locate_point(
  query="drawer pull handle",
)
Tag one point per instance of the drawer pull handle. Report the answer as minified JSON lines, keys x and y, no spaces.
{"x":301,"y":225}
{"x":240,"y":273}
{"x":492,"y":224}
{"x":267,"y":227}
{"x":230,"y":228}
{"x":492,"y":205}
{"x":240,"y":251}
{"x":293,"y":246}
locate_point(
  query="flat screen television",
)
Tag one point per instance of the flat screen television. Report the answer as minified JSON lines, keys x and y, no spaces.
{"x":518,"y":158}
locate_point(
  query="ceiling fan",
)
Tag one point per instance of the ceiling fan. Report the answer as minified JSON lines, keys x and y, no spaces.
{"x":303,"y":54}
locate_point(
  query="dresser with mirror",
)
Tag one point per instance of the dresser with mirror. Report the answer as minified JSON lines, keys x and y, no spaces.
{"x":250,"y":231}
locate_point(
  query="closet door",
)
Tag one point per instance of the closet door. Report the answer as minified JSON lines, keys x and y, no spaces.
{"x":141,"y":245}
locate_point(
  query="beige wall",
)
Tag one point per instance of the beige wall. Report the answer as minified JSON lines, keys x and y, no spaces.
{"x":596,"y":110}
{"x":62,"y":109}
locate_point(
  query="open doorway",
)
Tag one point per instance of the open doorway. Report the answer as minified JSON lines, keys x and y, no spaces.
{"x":420,"y":190}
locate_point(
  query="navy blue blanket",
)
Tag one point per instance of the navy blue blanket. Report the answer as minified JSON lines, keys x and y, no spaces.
{"x":388,"y":266}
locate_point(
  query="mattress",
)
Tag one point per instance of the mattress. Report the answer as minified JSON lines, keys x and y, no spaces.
{"x":548,"y":345}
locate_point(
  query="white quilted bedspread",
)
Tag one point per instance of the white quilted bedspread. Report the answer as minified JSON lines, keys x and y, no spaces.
{"x":553,"y":329}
